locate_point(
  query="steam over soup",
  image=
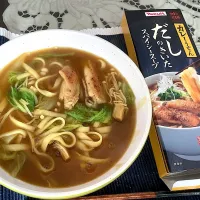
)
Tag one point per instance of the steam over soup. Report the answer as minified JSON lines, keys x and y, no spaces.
{"x":66,"y":117}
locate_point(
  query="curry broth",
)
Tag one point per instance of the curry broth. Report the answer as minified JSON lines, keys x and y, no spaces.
{"x":69,"y":173}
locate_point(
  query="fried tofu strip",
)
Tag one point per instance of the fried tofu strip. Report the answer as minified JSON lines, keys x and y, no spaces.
{"x":191,"y":83}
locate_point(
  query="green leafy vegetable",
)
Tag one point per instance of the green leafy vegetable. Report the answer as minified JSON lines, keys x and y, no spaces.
{"x":71,"y":127}
{"x":128,"y":93}
{"x":53,"y":55}
{"x":71,"y":124}
{"x":70,"y":120}
{"x":17,"y":160}
{"x":82,"y":114}
{"x":23,"y":98}
{"x":18,"y":79}
{"x":30,"y":97}
{"x":12,"y":77}
{"x":4,"y":155}
{"x":46,"y":103}
{"x":17,"y":164}
{"x":172,"y":94}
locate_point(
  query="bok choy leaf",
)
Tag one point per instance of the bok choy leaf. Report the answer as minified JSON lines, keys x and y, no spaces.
{"x":17,"y":164}
{"x":53,"y":55}
{"x":23,"y":99}
{"x":82,"y":114}
{"x":5,"y":155}
{"x":17,"y":78}
{"x":12,"y":78}
{"x":126,"y":90}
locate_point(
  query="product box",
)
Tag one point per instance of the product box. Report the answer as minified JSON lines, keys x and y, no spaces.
{"x":160,"y":43}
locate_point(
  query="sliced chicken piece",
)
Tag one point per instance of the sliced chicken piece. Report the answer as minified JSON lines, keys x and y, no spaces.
{"x":118,"y":112}
{"x":94,"y":90}
{"x":177,"y":117}
{"x":189,"y":106}
{"x":70,"y":87}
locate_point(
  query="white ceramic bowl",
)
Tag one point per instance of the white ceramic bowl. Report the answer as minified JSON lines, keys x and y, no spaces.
{"x":181,"y":141}
{"x":63,"y":38}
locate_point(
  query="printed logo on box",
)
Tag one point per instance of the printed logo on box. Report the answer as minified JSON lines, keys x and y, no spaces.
{"x":155,"y":14}
{"x":185,"y":40}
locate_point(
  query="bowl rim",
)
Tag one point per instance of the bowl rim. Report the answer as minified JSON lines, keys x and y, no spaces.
{"x":122,"y":168}
{"x":173,"y":128}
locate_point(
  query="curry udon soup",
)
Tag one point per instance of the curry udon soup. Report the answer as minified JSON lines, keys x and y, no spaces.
{"x":66,"y":117}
